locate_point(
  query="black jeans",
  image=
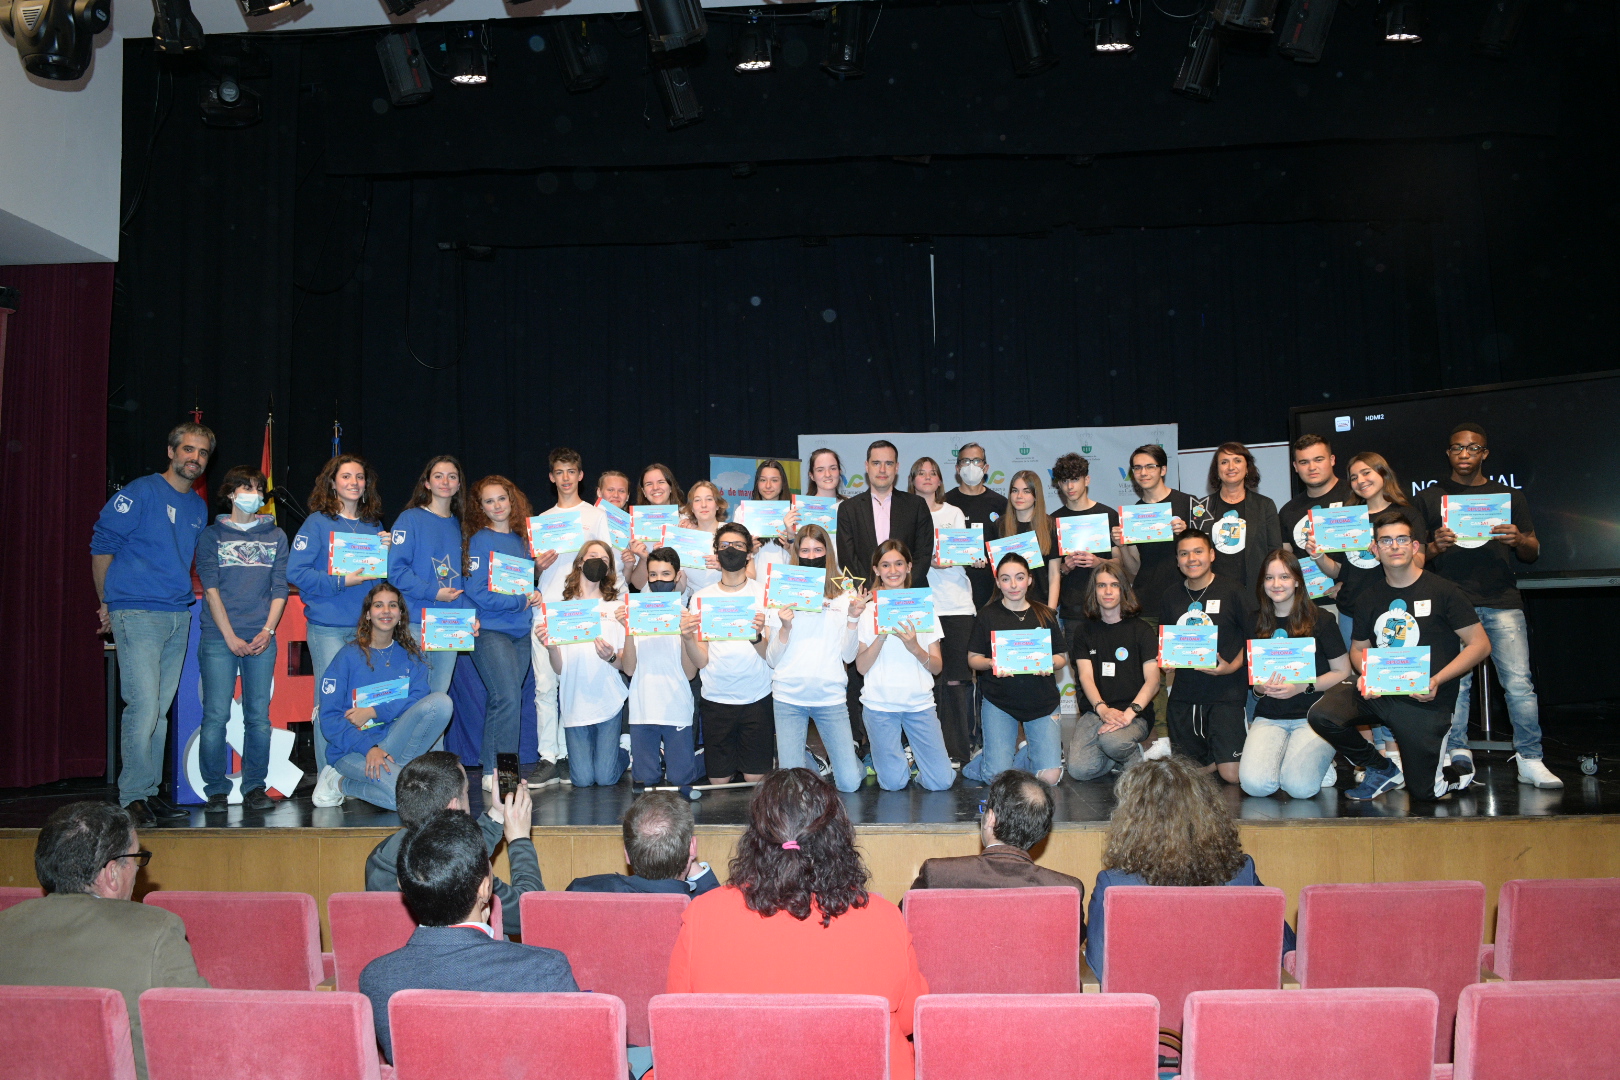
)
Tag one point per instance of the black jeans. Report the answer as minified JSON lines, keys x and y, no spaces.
{"x":1419,"y":727}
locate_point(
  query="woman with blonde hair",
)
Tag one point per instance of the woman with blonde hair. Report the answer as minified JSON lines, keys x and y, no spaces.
{"x":590,"y":691}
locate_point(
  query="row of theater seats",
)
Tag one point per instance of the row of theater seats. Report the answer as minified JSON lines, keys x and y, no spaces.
{"x":1505,"y":1031}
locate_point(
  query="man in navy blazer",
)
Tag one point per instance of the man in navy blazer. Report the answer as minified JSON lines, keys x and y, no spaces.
{"x":445,"y":879}
{"x":661,"y":850}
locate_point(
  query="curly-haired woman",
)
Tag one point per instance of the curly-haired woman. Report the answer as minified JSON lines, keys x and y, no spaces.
{"x":796,"y":917}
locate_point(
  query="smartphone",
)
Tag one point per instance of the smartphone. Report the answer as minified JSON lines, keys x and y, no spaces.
{"x":506,"y":774}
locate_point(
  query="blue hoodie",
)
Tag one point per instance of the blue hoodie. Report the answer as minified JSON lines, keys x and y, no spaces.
{"x":349,"y":672}
{"x":425,"y":557}
{"x":151,"y":530}
{"x":248,"y":567}
{"x":327,"y":600}
{"x":496,"y":611}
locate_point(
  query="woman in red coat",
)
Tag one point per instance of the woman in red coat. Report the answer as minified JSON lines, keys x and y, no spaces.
{"x":796,"y":917}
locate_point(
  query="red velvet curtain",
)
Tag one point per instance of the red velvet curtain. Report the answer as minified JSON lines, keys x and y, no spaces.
{"x":53,"y":481}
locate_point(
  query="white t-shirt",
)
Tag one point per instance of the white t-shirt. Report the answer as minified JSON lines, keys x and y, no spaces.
{"x":897,"y":682}
{"x":595,"y":522}
{"x":809,"y":669}
{"x":659,"y":691}
{"x":736,"y":674}
{"x":769,"y":552}
{"x":953,"y":594}
{"x":699,"y":576}
{"x":589,"y":689}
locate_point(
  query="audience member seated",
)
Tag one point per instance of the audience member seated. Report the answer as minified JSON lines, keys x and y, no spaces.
{"x":1169,"y":827}
{"x":445,"y":879}
{"x":1017,"y":815}
{"x":661,"y":850}
{"x":85,"y":930}
{"x":796,"y":918}
{"x":436,"y":781}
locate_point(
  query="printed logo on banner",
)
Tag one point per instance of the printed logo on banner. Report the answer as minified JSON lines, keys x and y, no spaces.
{"x":1086,"y":449}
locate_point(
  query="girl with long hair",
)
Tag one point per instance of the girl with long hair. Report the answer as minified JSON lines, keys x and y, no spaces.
{"x":1242,"y":522}
{"x":591,"y":691}
{"x":826,"y":475}
{"x":953,"y":607}
{"x":1026,"y":512}
{"x":705,"y":509}
{"x":770,"y":482}
{"x":657,"y":487}
{"x":425,"y":559}
{"x":1116,"y":674}
{"x":370,"y":742}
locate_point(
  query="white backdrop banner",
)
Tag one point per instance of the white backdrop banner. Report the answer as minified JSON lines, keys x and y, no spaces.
{"x":1108,"y":450}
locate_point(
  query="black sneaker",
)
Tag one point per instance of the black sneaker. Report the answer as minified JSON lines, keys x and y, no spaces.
{"x":217,"y":804}
{"x":164,"y":810}
{"x":258,"y":799}
{"x":544,"y":775}
{"x":144,"y":818}
{"x":562,"y":773}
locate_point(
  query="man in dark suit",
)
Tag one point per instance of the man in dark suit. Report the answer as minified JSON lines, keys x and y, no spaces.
{"x":661,"y":849}
{"x":445,"y":880}
{"x":883,"y":512}
{"x":1017,"y":816}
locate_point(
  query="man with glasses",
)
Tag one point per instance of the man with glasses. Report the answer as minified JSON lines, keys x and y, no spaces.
{"x":85,"y":930}
{"x":981,"y":509}
{"x":1484,"y":570}
{"x":1407,"y":606}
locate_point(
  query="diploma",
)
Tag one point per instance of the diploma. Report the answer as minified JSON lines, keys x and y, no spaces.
{"x":1148,"y":523}
{"x":817,"y":510}
{"x":694,"y":546}
{"x":1472,"y":517}
{"x":652,"y":614}
{"x":1024,"y":543}
{"x":1088,"y":532}
{"x":563,"y":532}
{"x":1021,"y":652}
{"x":726,"y":618}
{"x":618,"y":523}
{"x":448,"y":629}
{"x":1294,"y":658}
{"x":958,"y":547}
{"x":1388,"y":672}
{"x":1341,"y":528}
{"x":380,"y":693}
{"x":510,"y":575}
{"x":763,"y":517}
{"x":802,"y":588}
{"x":913,"y":608}
{"x":572,"y":622}
{"x":364,"y":552}
{"x":647,"y":522}
{"x":1196,"y":646}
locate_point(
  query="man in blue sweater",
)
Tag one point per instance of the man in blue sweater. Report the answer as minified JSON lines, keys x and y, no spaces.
{"x":140,"y":557}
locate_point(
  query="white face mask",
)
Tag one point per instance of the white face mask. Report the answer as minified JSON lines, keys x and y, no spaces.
{"x":249,"y":502}
{"x":970,"y":475}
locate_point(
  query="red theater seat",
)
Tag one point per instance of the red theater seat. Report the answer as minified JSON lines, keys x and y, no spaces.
{"x":770,"y":1036}
{"x":454,"y":1034}
{"x":365,"y":925}
{"x":258,"y":1034}
{"x":1406,"y":933}
{"x":1320,"y":1034}
{"x":1037,"y":1036}
{"x":996,"y":941}
{"x":1558,"y":929}
{"x":617,"y":943}
{"x":64,"y":1031}
{"x":11,"y":895}
{"x":1539,"y":1030}
{"x":250,"y":940}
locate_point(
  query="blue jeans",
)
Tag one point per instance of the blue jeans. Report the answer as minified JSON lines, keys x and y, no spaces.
{"x":594,"y":756}
{"x":502,"y":661}
{"x":1001,"y":740}
{"x":832,"y":721}
{"x":151,"y":652}
{"x":1094,"y":753}
{"x":1285,"y":754}
{"x":408,"y":737}
{"x":658,"y":751}
{"x":218,"y":669}
{"x":927,"y":741}
{"x":1510,"y":653}
{"x":441,"y":670}
{"x":323,"y":642}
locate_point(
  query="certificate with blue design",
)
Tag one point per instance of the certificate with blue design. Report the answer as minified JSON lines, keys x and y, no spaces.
{"x":618,"y":523}
{"x":958,"y":547}
{"x":1196,"y":646}
{"x":1341,"y":528}
{"x":1294,"y":658}
{"x":363,"y":552}
{"x":1472,"y":517}
{"x":448,"y":629}
{"x":1147,"y":523}
{"x":380,"y":693}
{"x":572,"y":622}
{"x":913,"y":608}
{"x":1395,"y":672}
{"x":647,"y":523}
{"x":1316,"y":583}
{"x":1086,"y":532}
{"x":1021,"y":652}
{"x":510,"y":575}
{"x":563,"y":532}
{"x":763,"y":517}
{"x":653,"y":614}
{"x":726,"y":618}
{"x":1023,"y":543}
{"x":694,"y":546}
{"x":817,"y":510}
{"x":802,"y":588}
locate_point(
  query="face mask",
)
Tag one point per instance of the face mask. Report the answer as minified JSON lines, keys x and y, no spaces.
{"x":731,"y":559}
{"x":249,"y":502}
{"x":971,"y":475}
{"x":818,"y":563}
{"x":660,"y":586}
{"x":595,"y":570}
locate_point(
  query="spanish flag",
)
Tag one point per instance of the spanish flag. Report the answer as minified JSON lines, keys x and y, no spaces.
{"x":269,"y":506}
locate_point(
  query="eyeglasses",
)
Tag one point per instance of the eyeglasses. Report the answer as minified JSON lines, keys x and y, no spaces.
{"x":1465,"y":448}
{"x":1145,"y":468}
{"x":971,"y":461}
{"x":1395,"y":541}
{"x":733,"y":545}
{"x":984,"y":804}
{"x":142,"y":857}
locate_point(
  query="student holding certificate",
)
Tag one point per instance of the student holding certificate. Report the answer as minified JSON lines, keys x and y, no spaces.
{"x":498,"y":521}
{"x":1071,"y":475}
{"x":1152,"y":567}
{"x":953,"y":608}
{"x":424,"y":561}
{"x":661,"y":670}
{"x":345,"y":499}
{"x":1484,"y":570}
{"x":376,"y":706}
{"x":1411,"y":606}
{"x":898,"y":670}
{"x":1010,"y":700}
{"x":808,"y":653}
{"x":591,"y":693}
{"x":739,"y":727}
{"x":770,"y":484}
{"x":613,"y":488}
{"x":1026,"y":512}
{"x":1281,"y":750}
{"x":1242,"y":522}
{"x":1116,"y":670}
{"x":826,"y":475}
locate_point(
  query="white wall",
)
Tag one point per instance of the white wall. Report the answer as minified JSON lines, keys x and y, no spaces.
{"x":1270,"y":458}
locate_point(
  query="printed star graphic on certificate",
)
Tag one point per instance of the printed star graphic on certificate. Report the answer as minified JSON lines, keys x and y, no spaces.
{"x":443,"y":570}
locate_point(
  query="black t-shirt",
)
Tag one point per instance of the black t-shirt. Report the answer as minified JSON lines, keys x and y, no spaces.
{"x":1227,"y":565}
{"x":1041,"y":575}
{"x":1117,"y":652}
{"x":981,"y":511}
{"x":1231,"y":609}
{"x":1486,"y":574}
{"x":1158,"y":570}
{"x":1292,"y":518}
{"x":1023,"y":697}
{"x":1357,"y":568}
{"x":1431,"y":612}
{"x":1072,"y":589}
{"x":1329,"y":646}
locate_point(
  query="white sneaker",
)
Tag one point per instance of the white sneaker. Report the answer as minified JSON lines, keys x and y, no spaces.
{"x":1332,"y":777}
{"x":1159,"y":749}
{"x":1459,"y":768}
{"x":328,"y":788}
{"x":1395,"y":756}
{"x":1532,"y":771}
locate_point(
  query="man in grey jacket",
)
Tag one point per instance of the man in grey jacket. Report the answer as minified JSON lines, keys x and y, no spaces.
{"x":436,"y":781}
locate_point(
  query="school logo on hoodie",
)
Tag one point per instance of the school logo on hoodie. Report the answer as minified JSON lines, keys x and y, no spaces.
{"x":123,"y":504}
{"x":399,"y":536}
{"x":328,"y":686}
{"x":300,"y":542}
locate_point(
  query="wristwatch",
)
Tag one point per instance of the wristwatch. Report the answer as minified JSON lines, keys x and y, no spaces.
{"x":1135,"y":708}
{"x":1310,"y":687}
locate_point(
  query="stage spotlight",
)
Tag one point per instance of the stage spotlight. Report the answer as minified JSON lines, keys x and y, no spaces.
{"x":466,"y":51}
{"x":846,"y":41}
{"x":752,"y":51}
{"x":254,"y":9}
{"x":1200,"y":70}
{"x":1305,"y":30}
{"x":404,"y":68}
{"x":674,"y":24}
{"x":1501,"y":23}
{"x":584,"y":62}
{"x":1256,"y":16}
{"x":175,"y":29}
{"x":1028,"y":41}
{"x":681,"y":106}
{"x":1115,"y":29}
{"x":55,"y":38}
{"x":227,"y":103}
{"x":1403,"y":24}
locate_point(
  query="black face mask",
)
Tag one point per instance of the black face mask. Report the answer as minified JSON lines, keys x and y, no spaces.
{"x":660,"y":586}
{"x":595,"y":570}
{"x":817,"y":563}
{"x":731,"y":560}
